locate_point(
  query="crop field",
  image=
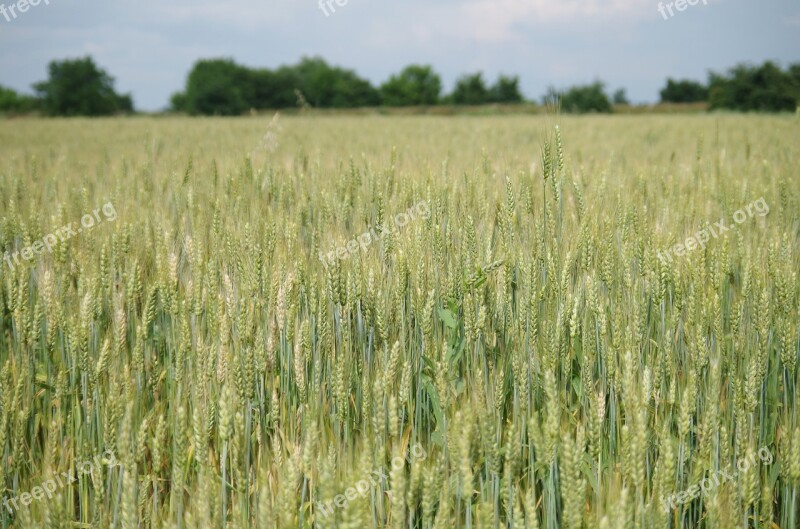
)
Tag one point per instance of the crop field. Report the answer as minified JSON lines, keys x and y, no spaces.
{"x":400,"y":322}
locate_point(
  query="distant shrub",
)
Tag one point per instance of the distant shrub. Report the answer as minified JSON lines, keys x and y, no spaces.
{"x":470,"y":90}
{"x":683,"y":91}
{"x":620,"y":97}
{"x":764,"y":88}
{"x":12,"y":102}
{"x":415,"y":85}
{"x":580,"y":99}
{"x":505,"y":90}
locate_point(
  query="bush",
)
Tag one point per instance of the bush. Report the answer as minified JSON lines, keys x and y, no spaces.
{"x":580,"y":99}
{"x":470,"y":90}
{"x":764,"y":88}
{"x":683,"y":91}
{"x":415,"y":85}
{"x":620,"y":97}
{"x":505,"y":90}
{"x":12,"y":102}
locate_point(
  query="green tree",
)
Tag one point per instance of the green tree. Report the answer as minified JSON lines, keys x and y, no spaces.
{"x":77,"y":87}
{"x":470,"y":90}
{"x":580,"y":99}
{"x":12,"y":102}
{"x":764,"y":88}
{"x":273,"y":89}
{"x":620,"y":97}
{"x":415,"y":85}
{"x":794,"y":72}
{"x":178,"y":102}
{"x":683,"y":91}
{"x":505,"y":90}
{"x":216,"y":86}
{"x":326,"y":86}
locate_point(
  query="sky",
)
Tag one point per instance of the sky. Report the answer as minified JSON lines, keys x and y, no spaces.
{"x":149,"y":46}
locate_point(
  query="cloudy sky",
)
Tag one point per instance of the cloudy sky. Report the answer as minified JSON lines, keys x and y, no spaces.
{"x":149,"y":46}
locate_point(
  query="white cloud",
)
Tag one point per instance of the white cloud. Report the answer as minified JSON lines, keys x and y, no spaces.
{"x":506,"y":22}
{"x":503,"y":20}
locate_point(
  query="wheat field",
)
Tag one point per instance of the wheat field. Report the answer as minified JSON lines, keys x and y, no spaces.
{"x":401,"y":322}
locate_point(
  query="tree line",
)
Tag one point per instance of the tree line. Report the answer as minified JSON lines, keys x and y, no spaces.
{"x":220,"y":86}
{"x":78,"y":87}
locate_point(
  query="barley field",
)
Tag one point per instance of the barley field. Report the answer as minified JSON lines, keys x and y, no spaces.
{"x":400,"y":322}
